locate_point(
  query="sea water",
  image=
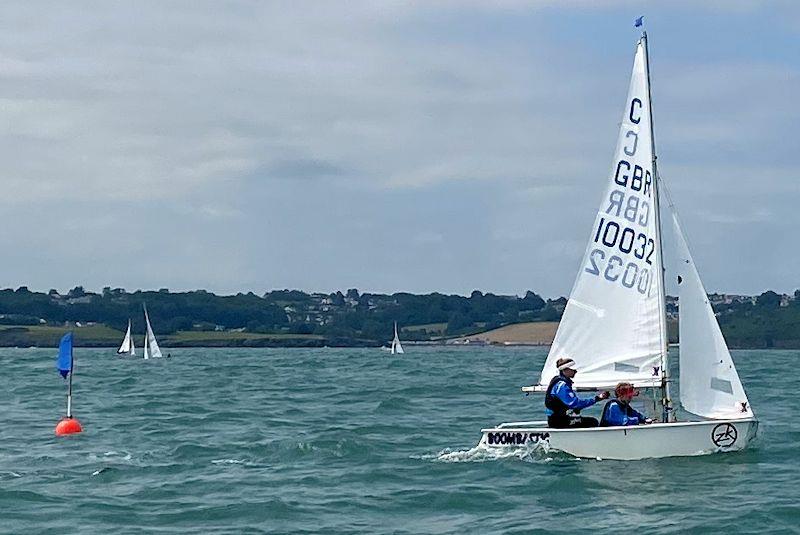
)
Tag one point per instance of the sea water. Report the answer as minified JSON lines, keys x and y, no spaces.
{"x":356,"y":441}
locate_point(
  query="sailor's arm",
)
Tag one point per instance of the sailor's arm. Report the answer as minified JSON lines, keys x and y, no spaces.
{"x":642,"y":419}
{"x":571,"y":400}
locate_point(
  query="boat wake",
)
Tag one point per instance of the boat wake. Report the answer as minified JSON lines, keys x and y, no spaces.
{"x":534,"y":453}
{"x":228,"y":461}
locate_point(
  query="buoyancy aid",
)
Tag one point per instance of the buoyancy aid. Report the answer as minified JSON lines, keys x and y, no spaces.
{"x":629,"y":411}
{"x":551,"y":401}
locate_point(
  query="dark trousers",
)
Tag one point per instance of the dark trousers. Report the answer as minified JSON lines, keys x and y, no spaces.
{"x":569,"y":422}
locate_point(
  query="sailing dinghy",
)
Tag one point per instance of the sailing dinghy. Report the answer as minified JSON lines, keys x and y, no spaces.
{"x":396,"y":347}
{"x":614,"y":324}
{"x":151,"y":348}
{"x":126,"y":348}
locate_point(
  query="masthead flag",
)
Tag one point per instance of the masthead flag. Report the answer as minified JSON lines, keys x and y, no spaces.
{"x":638,"y":21}
{"x":64,"y":361}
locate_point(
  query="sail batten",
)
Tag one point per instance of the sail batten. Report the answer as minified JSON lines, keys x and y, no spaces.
{"x":612,"y":324}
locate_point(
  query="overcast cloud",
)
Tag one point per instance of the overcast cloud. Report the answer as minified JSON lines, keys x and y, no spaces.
{"x":406,"y":146}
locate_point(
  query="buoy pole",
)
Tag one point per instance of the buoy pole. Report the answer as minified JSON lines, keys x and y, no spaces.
{"x":69,"y":392}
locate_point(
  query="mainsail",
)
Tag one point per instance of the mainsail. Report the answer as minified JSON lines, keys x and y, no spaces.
{"x":710,"y":386}
{"x":151,"y":348}
{"x":127,"y":343}
{"x":613,"y":325}
{"x":396,"y":347}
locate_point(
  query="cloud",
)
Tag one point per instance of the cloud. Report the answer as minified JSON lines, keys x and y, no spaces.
{"x":414,"y":145}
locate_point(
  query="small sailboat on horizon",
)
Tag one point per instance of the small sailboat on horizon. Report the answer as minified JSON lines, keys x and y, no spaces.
{"x":397,"y":348}
{"x":151,"y":348}
{"x":127,"y":347}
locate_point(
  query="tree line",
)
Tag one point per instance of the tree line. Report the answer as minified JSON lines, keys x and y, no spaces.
{"x":770,"y":320}
{"x":351,"y":314}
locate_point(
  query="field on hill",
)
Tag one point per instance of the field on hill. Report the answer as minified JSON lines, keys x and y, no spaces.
{"x":103,"y":336}
{"x":48,"y":336}
{"x":532,"y":333}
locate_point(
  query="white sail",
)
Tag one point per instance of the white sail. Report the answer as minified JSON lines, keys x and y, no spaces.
{"x":150,"y":340}
{"x":396,"y":346}
{"x":612,"y":325}
{"x":127,"y":343}
{"x":710,"y":386}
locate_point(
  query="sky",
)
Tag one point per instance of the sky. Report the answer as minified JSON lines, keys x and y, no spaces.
{"x":385,"y":146}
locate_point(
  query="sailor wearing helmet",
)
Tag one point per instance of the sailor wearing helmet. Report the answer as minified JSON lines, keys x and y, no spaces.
{"x":561,"y":397}
{"x":619,"y":411}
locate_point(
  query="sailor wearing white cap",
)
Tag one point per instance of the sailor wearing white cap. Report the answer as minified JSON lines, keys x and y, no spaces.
{"x":561,"y":397}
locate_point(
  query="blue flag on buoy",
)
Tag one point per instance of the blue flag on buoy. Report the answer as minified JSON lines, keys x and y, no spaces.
{"x":64,"y":360}
{"x":638,"y":21}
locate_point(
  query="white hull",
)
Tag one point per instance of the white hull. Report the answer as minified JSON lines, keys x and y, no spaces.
{"x":681,"y":439}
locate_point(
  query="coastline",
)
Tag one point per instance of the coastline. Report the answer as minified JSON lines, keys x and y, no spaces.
{"x":525,"y":334}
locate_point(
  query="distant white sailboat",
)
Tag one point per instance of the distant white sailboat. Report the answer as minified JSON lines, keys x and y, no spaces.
{"x":397,"y":348}
{"x":614,"y":325}
{"x":127,"y":347}
{"x":151,"y":348}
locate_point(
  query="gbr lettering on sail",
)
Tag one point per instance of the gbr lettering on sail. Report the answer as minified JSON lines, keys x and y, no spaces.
{"x":623,"y":247}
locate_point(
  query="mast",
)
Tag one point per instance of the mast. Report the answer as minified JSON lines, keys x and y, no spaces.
{"x":666,"y":400}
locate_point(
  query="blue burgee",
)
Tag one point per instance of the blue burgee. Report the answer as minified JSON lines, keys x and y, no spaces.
{"x":638,"y":21}
{"x":64,"y":361}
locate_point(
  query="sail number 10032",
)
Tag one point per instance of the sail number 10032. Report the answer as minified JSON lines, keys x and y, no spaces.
{"x":612,"y":267}
{"x":611,"y":234}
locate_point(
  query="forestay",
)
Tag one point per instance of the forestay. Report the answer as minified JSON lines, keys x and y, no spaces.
{"x":612,"y":325}
{"x":710,"y":386}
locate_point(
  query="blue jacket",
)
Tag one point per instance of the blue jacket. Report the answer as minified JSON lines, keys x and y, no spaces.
{"x":562,"y":390}
{"x":616,"y":413}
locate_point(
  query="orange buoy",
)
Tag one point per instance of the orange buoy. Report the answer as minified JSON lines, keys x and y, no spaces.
{"x":68,"y":426}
